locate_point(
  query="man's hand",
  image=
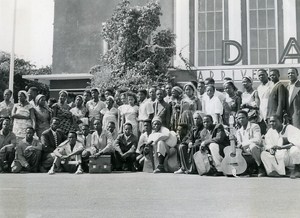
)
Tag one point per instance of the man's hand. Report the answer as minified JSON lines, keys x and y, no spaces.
{"x":190,"y":145}
{"x":63,"y":157}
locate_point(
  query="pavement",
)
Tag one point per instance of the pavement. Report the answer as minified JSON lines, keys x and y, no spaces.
{"x":146,"y":195}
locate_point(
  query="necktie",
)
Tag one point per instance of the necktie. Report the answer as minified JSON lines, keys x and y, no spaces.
{"x":84,"y":141}
{"x":55,"y":138}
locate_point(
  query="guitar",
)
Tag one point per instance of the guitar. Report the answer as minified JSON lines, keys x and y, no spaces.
{"x":233,"y":163}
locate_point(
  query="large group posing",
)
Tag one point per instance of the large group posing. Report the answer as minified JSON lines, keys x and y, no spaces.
{"x":156,"y":130}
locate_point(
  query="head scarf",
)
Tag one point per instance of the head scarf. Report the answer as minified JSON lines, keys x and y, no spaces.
{"x":156,"y":118}
{"x":95,"y":89}
{"x":63,"y":91}
{"x":25,"y":93}
{"x":177,"y":89}
{"x":79,"y":96}
{"x":110,"y":98}
{"x":230,"y":83}
{"x":38,"y":98}
{"x":190,"y":85}
{"x":248,"y":78}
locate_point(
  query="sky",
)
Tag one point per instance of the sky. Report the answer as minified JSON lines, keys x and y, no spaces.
{"x":34,"y":29}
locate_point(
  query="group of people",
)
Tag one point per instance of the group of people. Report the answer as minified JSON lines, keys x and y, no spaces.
{"x":156,"y":130}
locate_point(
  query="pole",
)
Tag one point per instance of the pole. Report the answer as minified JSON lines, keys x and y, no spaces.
{"x":12,"y":54}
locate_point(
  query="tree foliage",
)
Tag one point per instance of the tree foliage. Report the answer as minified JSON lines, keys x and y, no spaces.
{"x":139,"y":54}
{"x":22,"y":67}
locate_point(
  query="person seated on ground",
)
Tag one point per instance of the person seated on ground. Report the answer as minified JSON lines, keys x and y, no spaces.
{"x":249,"y":140}
{"x":50,"y":139}
{"x":85,"y":138}
{"x":143,"y":149}
{"x":28,"y":154}
{"x":102,"y":141}
{"x":111,"y":127}
{"x":7,"y":146}
{"x":162,"y":142}
{"x":282,"y":149}
{"x":214,"y":140}
{"x":191,"y":146}
{"x":68,"y":155}
{"x":125,"y":146}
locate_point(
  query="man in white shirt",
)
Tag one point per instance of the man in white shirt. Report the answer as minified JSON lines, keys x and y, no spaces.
{"x":94,"y":107}
{"x":212,"y":104}
{"x":146,"y":110}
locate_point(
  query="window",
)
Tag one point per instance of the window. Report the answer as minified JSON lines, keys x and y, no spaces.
{"x":209,"y":32}
{"x":262,"y":31}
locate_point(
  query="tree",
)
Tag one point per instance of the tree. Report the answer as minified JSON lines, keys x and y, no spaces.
{"x":22,"y":67}
{"x":139,"y":54}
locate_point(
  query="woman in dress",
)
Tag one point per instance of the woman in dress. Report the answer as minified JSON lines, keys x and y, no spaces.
{"x":177,"y":106}
{"x":79,"y":112}
{"x":109,"y":113}
{"x":124,"y":101}
{"x":190,"y":103}
{"x":62,"y":110}
{"x":42,"y":114}
{"x":130,"y":113}
{"x":23,"y":116}
{"x":250,"y":100}
{"x":232,"y":101}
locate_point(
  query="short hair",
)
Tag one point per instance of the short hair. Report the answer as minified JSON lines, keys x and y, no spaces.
{"x":30,"y":128}
{"x":132,"y":95}
{"x":72,"y":132}
{"x":109,"y":89}
{"x":52,"y":100}
{"x":294,"y":68}
{"x":199,"y":113}
{"x":276,"y":117}
{"x":201,"y":82}
{"x":8,"y":90}
{"x":210,"y":85}
{"x":111,"y":122}
{"x":208,"y":116}
{"x":34,"y":89}
{"x":275,"y":71}
{"x":242,"y":112}
{"x":144,"y":91}
{"x":183,"y":125}
{"x":210,"y":80}
{"x":128,"y":124}
{"x":54,"y":118}
{"x":97,"y":120}
{"x":87,"y":91}
{"x":147,"y":121}
{"x":262,"y":70}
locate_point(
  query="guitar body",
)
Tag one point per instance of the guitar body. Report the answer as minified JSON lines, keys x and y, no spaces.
{"x":233,"y":164}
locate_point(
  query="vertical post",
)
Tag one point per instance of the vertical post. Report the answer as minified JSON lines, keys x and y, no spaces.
{"x":12,"y":54}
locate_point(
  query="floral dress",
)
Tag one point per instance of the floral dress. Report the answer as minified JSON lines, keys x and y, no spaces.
{"x":20,"y":125}
{"x":231,"y":105}
{"x":66,"y":118}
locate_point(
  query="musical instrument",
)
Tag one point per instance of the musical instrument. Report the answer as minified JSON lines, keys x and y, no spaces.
{"x":233,"y":163}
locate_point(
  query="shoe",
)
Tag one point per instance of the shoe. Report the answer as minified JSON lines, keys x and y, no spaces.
{"x":51,"y":171}
{"x":180,"y":171}
{"x":261,"y":172}
{"x":218,"y":173}
{"x":159,"y":169}
{"x":274,"y":174}
{"x":79,"y":171}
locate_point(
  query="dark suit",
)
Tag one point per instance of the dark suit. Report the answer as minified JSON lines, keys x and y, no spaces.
{"x":278,"y":101}
{"x":294,"y":105}
{"x":164,"y":113}
{"x":49,"y":145}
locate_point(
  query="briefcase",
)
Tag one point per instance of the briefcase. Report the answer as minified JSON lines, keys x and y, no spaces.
{"x":101,"y":164}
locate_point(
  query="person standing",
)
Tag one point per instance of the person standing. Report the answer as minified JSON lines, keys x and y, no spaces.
{"x":294,"y":97}
{"x":94,"y":107}
{"x":6,"y":105}
{"x":43,"y":115}
{"x":162,"y":109}
{"x":278,"y":98}
{"x":146,"y":110}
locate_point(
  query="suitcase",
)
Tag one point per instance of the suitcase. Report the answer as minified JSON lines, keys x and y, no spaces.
{"x":101,"y":164}
{"x":202,"y":162}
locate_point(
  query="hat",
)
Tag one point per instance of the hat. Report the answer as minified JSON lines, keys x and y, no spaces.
{"x":177,"y":89}
{"x":190,"y":85}
{"x":95,"y":89}
{"x":248,"y":78}
{"x":156,"y":118}
{"x":38,"y":98}
{"x":63,"y":91}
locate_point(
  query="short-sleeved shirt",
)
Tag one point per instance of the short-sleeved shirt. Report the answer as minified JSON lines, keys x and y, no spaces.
{"x":145,"y":109}
{"x":94,"y":108}
{"x":5,"y":109}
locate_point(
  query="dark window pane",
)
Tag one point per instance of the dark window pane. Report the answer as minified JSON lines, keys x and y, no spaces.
{"x":253,"y":39}
{"x":262,"y":35}
{"x":201,"y":41}
{"x":262,"y":19}
{"x":253,"y":19}
{"x":218,"y":39}
{"x":252,"y":4}
{"x":219,"y":21}
{"x":218,"y":5}
{"x":254,"y":56}
{"x":272,"y":56}
{"x":271,"y":18}
{"x":271,"y":39}
{"x":263,"y":56}
{"x":270,"y":3}
{"x":201,"y":21}
{"x":210,"y":21}
{"x":210,"y":5}
{"x":201,"y":58}
{"x":210,"y":40}
{"x":261,"y":4}
{"x":202,"y":5}
{"x":210,"y":58}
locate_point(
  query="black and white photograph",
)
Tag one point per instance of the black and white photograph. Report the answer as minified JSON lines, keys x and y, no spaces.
{"x":149,"y":108}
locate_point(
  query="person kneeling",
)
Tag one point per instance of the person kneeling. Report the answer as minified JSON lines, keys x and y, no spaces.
{"x":28,"y":154}
{"x":282,"y":144}
{"x":125,"y":145}
{"x":68,"y":154}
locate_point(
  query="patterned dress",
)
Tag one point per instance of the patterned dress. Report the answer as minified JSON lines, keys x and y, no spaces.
{"x":66,"y":118}
{"x":231,"y":105}
{"x":131,"y":116}
{"x":20,"y":125}
{"x":42,"y":116}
